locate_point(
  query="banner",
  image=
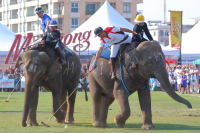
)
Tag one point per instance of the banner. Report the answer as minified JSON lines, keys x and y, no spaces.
{"x":176,"y":28}
{"x":8,"y":84}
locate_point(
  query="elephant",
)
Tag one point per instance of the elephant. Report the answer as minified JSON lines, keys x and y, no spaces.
{"x":138,"y":65}
{"x":61,"y":80}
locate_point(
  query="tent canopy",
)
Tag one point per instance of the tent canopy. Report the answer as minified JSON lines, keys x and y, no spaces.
{"x":190,"y":43}
{"x":104,"y":17}
{"x":7,"y":37}
{"x":170,"y":51}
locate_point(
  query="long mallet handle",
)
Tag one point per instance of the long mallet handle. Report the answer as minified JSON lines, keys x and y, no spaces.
{"x":67,"y":98}
{"x":13,"y":90}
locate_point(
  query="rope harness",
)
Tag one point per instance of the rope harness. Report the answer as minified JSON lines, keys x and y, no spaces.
{"x":121,"y":73}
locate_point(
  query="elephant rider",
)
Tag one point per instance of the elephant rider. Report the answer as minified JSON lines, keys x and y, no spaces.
{"x":44,"y":23}
{"x":139,"y":28}
{"x":114,"y":36}
{"x":51,"y":39}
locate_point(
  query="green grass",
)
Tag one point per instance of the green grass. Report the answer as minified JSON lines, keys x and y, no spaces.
{"x":168,"y":115}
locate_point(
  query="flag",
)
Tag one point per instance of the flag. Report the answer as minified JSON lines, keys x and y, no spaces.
{"x":176,"y":28}
{"x":5,"y":79}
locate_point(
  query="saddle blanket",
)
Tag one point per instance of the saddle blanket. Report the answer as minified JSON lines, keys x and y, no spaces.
{"x":105,"y":54}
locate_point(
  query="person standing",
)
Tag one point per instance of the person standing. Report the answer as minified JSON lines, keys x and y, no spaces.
{"x":184,"y":79}
{"x":1,"y":74}
{"x":178,"y":74}
{"x":173,"y":83}
{"x":196,"y":71}
{"x":192,"y":79}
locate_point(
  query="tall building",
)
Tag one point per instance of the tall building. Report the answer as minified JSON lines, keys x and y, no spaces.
{"x":18,"y":15}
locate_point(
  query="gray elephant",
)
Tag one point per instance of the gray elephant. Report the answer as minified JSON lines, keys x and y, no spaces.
{"x":62,"y":80}
{"x":138,"y":65}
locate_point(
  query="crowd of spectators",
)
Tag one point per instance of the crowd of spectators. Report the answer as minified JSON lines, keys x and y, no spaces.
{"x":11,"y":73}
{"x":184,"y":79}
{"x":84,"y":85}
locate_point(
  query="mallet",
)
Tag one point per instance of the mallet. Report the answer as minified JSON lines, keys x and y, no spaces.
{"x":66,"y":99}
{"x":13,"y":90}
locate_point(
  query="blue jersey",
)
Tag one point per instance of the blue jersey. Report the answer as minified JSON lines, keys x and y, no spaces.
{"x":45,"y":18}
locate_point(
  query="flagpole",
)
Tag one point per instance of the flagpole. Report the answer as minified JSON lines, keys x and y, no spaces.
{"x":181,"y":39}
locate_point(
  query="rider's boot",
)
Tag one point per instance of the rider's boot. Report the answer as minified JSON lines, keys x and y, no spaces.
{"x":112,"y":68}
{"x":62,"y":58}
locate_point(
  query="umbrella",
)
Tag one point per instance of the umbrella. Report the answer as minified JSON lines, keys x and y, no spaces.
{"x":196,"y":62}
{"x":170,"y":61}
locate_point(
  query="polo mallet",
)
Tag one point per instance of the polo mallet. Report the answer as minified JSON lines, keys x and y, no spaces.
{"x":66,"y":99}
{"x":13,"y":90}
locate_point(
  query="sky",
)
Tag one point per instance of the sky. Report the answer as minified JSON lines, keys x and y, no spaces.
{"x":154,"y":9}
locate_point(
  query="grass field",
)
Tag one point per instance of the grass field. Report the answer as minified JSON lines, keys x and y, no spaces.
{"x":168,"y":115}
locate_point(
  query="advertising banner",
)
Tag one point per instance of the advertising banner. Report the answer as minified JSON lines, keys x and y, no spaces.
{"x":176,"y":28}
{"x":8,"y":84}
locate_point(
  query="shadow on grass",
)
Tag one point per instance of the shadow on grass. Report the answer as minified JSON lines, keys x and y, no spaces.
{"x":22,"y":111}
{"x":138,"y":126}
{"x":158,"y":126}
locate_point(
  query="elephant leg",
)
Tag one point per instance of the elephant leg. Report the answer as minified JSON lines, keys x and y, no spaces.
{"x":63,"y":98}
{"x":105,"y":103}
{"x":122,"y":98}
{"x":95,"y":91}
{"x":145,"y":105}
{"x":70,"y":106}
{"x":56,"y":88}
{"x":32,"y":109}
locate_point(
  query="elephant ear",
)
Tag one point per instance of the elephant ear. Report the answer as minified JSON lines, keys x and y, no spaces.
{"x":54,"y":69}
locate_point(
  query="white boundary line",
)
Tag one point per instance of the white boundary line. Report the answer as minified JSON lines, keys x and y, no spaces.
{"x":191,"y":95}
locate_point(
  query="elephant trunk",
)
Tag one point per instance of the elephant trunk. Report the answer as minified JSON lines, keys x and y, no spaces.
{"x":163,"y":79}
{"x":27,"y":100}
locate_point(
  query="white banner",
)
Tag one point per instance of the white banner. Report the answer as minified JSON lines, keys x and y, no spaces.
{"x":9,"y":84}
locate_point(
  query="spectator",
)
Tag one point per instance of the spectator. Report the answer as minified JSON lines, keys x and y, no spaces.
{"x":17,"y":71}
{"x":178,"y":74}
{"x":188,"y":84}
{"x":10,"y":70}
{"x":196,"y":79}
{"x":184,"y":79}
{"x":173,"y":83}
{"x":16,"y":84}
{"x":199,"y":81}
{"x":1,"y":74}
{"x":193,"y":79}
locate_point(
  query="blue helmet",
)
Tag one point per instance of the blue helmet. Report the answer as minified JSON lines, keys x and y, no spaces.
{"x":38,"y":10}
{"x":53,"y":23}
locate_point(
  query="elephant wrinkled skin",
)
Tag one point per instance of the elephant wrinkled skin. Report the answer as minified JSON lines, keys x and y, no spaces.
{"x":62,"y":80}
{"x":149,"y":60}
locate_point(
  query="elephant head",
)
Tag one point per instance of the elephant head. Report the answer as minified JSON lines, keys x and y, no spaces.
{"x":36,"y":65}
{"x":150,"y":60}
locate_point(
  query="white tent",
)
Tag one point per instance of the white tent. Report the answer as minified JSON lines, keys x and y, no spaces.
{"x":170,"y":51}
{"x":7,"y":37}
{"x":104,"y":17}
{"x":191,"y":44}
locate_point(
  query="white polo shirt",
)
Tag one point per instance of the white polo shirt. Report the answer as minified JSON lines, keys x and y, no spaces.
{"x":112,"y":37}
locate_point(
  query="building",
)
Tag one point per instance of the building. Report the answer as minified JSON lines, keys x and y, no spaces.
{"x":18,"y":15}
{"x":160,"y":32}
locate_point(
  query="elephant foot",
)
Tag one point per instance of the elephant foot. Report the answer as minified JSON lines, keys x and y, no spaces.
{"x":69,"y":121}
{"x":96,"y":123}
{"x":24,"y":124}
{"x":32,"y":124}
{"x":119,"y":122}
{"x":148,"y":127}
{"x":60,"y":118}
{"x":104,"y":125}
